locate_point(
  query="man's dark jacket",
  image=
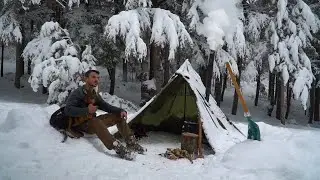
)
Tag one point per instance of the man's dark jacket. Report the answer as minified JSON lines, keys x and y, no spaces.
{"x":76,"y":106}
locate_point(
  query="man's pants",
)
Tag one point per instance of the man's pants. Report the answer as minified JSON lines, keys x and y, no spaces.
{"x":98,"y":125}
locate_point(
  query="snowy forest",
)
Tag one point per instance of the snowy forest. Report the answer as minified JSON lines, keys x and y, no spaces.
{"x":272,"y":45}
{"x":140,"y":47}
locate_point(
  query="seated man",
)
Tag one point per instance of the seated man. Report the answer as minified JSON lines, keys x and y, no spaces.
{"x":81,"y":107}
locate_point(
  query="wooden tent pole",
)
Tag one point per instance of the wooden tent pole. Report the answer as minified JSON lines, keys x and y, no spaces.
{"x":200,"y":150}
{"x":185,"y":102}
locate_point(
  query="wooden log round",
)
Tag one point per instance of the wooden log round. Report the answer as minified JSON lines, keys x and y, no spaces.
{"x":189,"y":142}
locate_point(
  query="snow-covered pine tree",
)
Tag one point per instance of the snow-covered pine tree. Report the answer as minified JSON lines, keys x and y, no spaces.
{"x":257,"y":45}
{"x":290,"y":33}
{"x":9,"y":28}
{"x":56,"y":62}
{"x":14,"y":21}
{"x":88,"y":61}
{"x":165,"y":29}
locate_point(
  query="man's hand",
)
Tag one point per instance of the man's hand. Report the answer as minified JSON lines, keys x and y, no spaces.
{"x":92,"y":108}
{"x":123,"y":115}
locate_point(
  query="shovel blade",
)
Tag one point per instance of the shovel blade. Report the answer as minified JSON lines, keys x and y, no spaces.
{"x":253,"y":130}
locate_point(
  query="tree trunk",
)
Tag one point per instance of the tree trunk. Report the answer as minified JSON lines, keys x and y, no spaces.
{"x":29,"y":60}
{"x":209,"y":75}
{"x":112,"y":76}
{"x":19,"y":60}
{"x":317,"y":100}
{"x":289,"y":95}
{"x":2,"y":51}
{"x":166,"y":74}
{"x":280,"y":99}
{"x":22,"y":64}
{"x":152,"y":58}
{"x":277,"y":94}
{"x":235,"y":96}
{"x":258,"y":87}
{"x":217,"y":91}
{"x":225,"y":79}
{"x":19,"y":65}
{"x":203,"y":75}
{"x":271,"y":94}
{"x":44,"y":90}
{"x":166,"y":65}
{"x":312,"y":102}
{"x":155,"y":65}
{"x":125,"y":70}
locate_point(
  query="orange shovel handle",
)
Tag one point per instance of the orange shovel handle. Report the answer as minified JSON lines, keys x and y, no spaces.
{"x":235,"y":83}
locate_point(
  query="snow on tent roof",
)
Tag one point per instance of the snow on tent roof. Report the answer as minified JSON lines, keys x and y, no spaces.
{"x":219,"y":131}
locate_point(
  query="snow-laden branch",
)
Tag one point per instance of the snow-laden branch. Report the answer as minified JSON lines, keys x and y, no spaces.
{"x":130,"y":25}
{"x":88,"y":61}
{"x":216,"y":20}
{"x":56,"y":62}
{"x":291,"y":32}
{"x":133,"y":4}
{"x":40,"y":48}
{"x":10,"y":28}
{"x":166,"y":29}
{"x":212,"y":28}
{"x":222,"y":58}
{"x":219,"y":22}
{"x":29,"y":2}
{"x":256,"y":22}
{"x":71,"y":3}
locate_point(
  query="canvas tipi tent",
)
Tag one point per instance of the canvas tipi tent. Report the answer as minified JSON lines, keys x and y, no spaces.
{"x":183,"y":98}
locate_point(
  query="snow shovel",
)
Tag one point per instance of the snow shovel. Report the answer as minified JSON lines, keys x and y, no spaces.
{"x":253,"y":128}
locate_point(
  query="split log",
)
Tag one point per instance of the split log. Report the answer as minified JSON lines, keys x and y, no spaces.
{"x":189,"y":142}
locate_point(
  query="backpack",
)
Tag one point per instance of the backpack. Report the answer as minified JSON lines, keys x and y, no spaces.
{"x":62,"y":123}
{"x":58,"y":120}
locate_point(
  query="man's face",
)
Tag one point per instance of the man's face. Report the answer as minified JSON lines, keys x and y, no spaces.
{"x":93,"y":79}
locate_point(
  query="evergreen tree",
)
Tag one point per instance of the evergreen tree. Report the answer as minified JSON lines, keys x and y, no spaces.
{"x":56,"y":62}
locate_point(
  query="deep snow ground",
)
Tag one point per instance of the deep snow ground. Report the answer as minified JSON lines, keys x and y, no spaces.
{"x":31,"y":149}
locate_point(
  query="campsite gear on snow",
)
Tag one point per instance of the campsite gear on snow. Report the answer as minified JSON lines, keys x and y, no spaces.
{"x":190,"y":126}
{"x":253,"y":128}
{"x":166,"y":111}
{"x":60,"y":122}
{"x":174,"y":154}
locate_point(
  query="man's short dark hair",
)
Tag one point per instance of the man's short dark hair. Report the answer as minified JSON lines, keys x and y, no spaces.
{"x":90,"y":71}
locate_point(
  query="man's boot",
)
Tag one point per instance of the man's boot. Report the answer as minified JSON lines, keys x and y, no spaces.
{"x":122,"y":151}
{"x":133,"y":145}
